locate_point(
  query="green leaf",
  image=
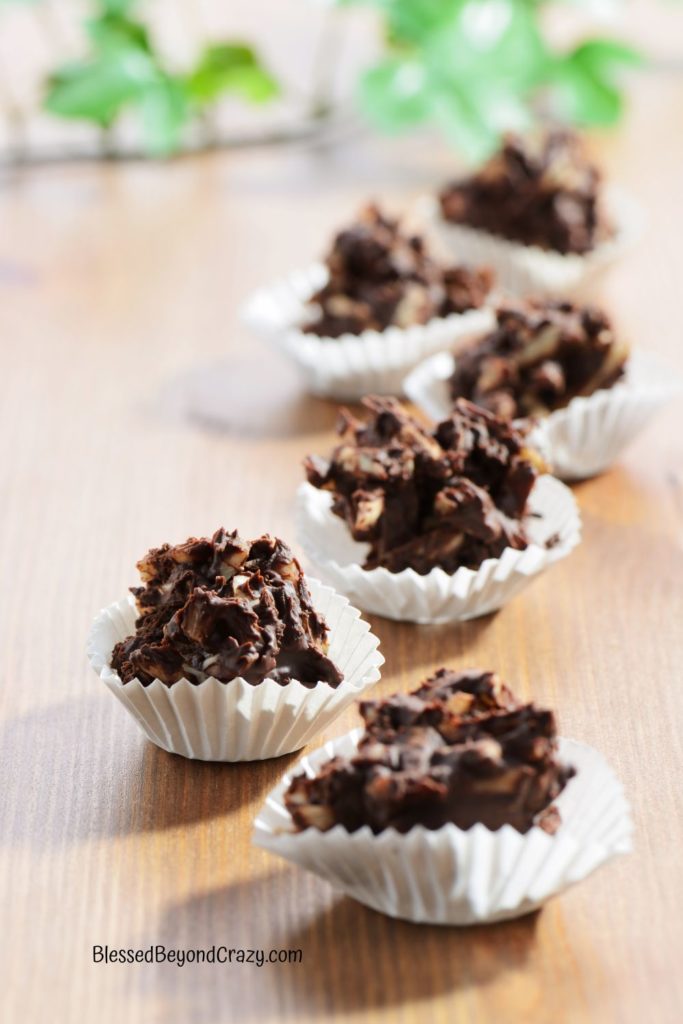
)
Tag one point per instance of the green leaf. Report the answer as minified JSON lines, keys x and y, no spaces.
{"x":395,"y":94}
{"x":230,"y":67}
{"x":164,"y":109}
{"x":463,"y":125}
{"x":409,"y":21}
{"x":96,"y":90}
{"x":124,"y":70}
{"x":116,"y":6}
{"x":472,"y":78}
{"x":415,"y":20}
{"x":606,"y":55}
{"x":585,"y":89}
{"x":113,"y":32}
{"x":586,"y":98}
{"x":493,"y":41}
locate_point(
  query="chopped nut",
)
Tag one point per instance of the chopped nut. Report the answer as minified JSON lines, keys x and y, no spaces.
{"x":316,"y":816}
{"x":459,"y":702}
{"x":368,"y":509}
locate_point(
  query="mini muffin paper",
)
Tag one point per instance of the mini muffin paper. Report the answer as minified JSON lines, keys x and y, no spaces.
{"x":524,"y":269}
{"x":238,"y":721}
{"x":452,"y":876}
{"x":437,"y":596}
{"x":349,"y":367}
{"x":588,"y":435}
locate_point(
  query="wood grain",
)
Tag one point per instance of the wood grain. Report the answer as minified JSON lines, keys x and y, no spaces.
{"x":135,"y":409}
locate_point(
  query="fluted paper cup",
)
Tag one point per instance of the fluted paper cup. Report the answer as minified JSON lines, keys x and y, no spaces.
{"x":236,"y":721}
{"x":553,"y":525}
{"x":427,"y":386}
{"x":453,"y":876}
{"x":587,"y":436}
{"x":528,"y":269}
{"x":347,"y":368}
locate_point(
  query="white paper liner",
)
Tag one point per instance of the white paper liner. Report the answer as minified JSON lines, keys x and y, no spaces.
{"x":588,"y":435}
{"x":451,"y":876}
{"x":438,"y":596}
{"x":427,"y":385}
{"x":235,"y":721}
{"x":524,"y":269}
{"x":347,"y":368}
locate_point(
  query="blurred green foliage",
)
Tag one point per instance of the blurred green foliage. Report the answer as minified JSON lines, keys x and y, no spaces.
{"x":124,"y":71}
{"x":478,"y":67}
{"x":475,"y":68}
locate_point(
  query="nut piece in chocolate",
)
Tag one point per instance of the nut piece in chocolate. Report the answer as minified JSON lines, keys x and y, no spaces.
{"x":540,"y":191}
{"x":379,"y":276}
{"x":539,"y":356}
{"x":458,"y":749}
{"x":450,"y":496}
{"x":225,"y":607}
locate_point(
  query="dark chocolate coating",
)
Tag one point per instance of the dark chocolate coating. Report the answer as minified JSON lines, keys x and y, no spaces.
{"x":422,"y":498}
{"x":538,"y":357}
{"x":539,"y":191}
{"x":458,"y":749}
{"x":379,"y":276}
{"x":225,"y":608}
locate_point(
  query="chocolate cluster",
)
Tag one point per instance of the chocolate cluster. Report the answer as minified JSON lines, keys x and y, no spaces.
{"x":540,"y":191}
{"x":379,"y":276}
{"x":539,"y":356}
{"x":224,"y":607}
{"x":450,"y":496}
{"x":458,"y":749}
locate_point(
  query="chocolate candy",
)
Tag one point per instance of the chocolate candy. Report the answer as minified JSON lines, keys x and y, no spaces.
{"x":449,"y":496}
{"x":458,"y":749}
{"x":225,"y":608}
{"x":540,"y":191}
{"x":538,"y":357}
{"x":379,"y":276}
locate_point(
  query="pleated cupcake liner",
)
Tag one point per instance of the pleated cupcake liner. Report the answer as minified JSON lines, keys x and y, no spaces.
{"x":236,"y":721}
{"x":528,"y":269}
{"x":451,"y":876}
{"x":427,"y":386}
{"x":587,"y":436}
{"x":438,"y":596}
{"x":349,"y":367}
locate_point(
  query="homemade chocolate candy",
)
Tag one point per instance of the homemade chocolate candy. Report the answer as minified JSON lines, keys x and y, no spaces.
{"x":458,"y":749}
{"x":225,"y":607}
{"x":540,"y":191}
{"x":449,"y":496}
{"x":538,"y":357}
{"x":379,"y":276}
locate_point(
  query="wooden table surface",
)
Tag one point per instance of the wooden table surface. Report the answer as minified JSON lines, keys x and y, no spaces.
{"x":136,"y":409}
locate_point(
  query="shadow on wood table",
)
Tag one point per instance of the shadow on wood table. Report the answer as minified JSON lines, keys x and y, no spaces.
{"x":340,"y":970}
{"x":85,"y":771}
{"x":249,"y":396}
{"x":427,"y":648}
